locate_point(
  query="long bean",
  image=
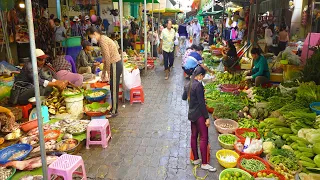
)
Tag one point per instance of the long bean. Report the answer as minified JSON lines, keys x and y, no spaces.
{"x":253,"y":165}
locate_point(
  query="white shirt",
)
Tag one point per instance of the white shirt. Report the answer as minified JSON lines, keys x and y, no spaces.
{"x":268,"y":36}
{"x":196,"y":29}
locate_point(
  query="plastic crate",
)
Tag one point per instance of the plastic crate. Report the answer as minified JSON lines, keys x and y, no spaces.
{"x":74,"y":52}
{"x":72,"y":41}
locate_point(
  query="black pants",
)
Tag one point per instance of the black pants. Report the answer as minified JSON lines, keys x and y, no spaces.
{"x":155,"y":49}
{"x":27,"y":94}
{"x":211,"y":38}
{"x":282,"y":46}
{"x":168,"y":59}
{"x":115,"y":73}
{"x":189,"y":72}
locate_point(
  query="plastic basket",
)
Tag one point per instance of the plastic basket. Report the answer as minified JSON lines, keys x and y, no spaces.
{"x":224,"y":145}
{"x":55,"y":137}
{"x":7,"y":152}
{"x":233,"y":170}
{"x":243,"y":153}
{"x":240,"y":131}
{"x":72,"y":41}
{"x":268,"y":171}
{"x":99,"y":98}
{"x":229,"y":87}
{"x":27,"y":126}
{"x":221,"y":130}
{"x":227,"y":152}
{"x":251,"y":157}
{"x":313,"y":107}
{"x":273,"y":165}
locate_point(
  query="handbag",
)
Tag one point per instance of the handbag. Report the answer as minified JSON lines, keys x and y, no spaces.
{"x":18,"y":88}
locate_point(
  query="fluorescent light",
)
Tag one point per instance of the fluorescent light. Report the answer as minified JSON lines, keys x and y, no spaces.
{"x":22,"y":5}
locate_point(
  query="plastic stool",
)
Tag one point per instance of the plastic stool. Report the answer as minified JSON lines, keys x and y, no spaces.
{"x":136,"y":95}
{"x":102,"y":126}
{"x":66,"y":165}
{"x":25,"y":110}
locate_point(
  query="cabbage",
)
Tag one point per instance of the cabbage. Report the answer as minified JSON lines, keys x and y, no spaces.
{"x":313,"y":137}
{"x":317,"y":160}
{"x":316,"y":148}
{"x":304,"y":131}
{"x":267,"y":147}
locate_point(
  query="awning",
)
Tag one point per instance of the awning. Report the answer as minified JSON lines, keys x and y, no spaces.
{"x":138,"y":1}
{"x":166,"y":10}
{"x":214,"y":13}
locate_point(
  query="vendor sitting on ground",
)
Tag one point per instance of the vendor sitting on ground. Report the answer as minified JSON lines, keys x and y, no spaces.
{"x":260,"y":73}
{"x":194,"y":60}
{"x":230,"y":58}
{"x":63,"y":69}
{"x":85,"y":63}
{"x":23,"y":87}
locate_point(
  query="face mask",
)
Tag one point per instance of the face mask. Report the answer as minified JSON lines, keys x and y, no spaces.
{"x":94,"y":41}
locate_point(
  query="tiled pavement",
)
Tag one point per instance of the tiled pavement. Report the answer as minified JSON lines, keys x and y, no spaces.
{"x":151,"y":141}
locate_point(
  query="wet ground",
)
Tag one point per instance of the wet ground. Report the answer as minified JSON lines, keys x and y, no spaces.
{"x":151,"y":141}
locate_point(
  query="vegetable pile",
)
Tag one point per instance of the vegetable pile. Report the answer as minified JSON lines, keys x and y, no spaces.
{"x":234,"y":175}
{"x":227,"y":138}
{"x":253,"y":165}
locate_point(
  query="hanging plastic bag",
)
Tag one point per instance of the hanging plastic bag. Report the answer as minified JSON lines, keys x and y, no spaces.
{"x":220,"y":68}
{"x":161,"y":59}
{"x":132,"y":78}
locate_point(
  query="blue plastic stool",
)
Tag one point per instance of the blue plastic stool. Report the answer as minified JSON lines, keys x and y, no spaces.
{"x":99,"y":117}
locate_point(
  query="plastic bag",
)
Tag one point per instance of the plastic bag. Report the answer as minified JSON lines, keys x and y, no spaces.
{"x":132,"y":79}
{"x":4,"y":71}
{"x":161,"y":59}
{"x":220,"y":68}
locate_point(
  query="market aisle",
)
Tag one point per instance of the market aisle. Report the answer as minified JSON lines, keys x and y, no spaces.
{"x":151,"y":141}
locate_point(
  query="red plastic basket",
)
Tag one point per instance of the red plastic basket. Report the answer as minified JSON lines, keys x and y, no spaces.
{"x":268,"y":171}
{"x":95,"y":114}
{"x":229,"y":87}
{"x":55,"y":137}
{"x":243,"y":153}
{"x":251,"y":157}
{"x":240,"y":131}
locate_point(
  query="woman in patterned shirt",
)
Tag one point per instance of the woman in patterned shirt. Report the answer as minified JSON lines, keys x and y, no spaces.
{"x":112,"y":64}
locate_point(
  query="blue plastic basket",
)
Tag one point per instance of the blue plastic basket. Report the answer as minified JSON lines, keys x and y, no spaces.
{"x":99,"y":98}
{"x":7,"y":152}
{"x":74,"y":52}
{"x":312,"y":105}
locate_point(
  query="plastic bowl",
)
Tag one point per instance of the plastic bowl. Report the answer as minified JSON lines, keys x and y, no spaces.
{"x":233,"y":170}
{"x":243,"y":153}
{"x":251,"y":157}
{"x":224,"y":145}
{"x":70,"y":150}
{"x":27,"y":126}
{"x":240,"y":131}
{"x":7,"y":152}
{"x":55,"y":137}
{"x":98,"y":98}
{"x":313,"y":105}
{"x":227,"y":152}
{"x":280,"y":176}
{"x":219,"y":122}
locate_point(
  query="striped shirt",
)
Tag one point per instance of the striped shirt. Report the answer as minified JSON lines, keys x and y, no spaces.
{"x":109,"y":52}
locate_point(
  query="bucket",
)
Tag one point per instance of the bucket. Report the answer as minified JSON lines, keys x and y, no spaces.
{"x":74,"y":105}
{"x":44,"y":112}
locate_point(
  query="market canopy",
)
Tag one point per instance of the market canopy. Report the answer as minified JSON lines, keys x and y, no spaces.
{"x":166,"y":10}
{"x":138,"y":1}
{"x":214,"y":13}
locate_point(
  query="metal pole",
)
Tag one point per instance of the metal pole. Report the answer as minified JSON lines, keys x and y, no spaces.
{"x":121,"y":43}
{"x":256,"y":23}
{"x":223,"y":12}
{"x":58,"y":9}
{"x":145,"y":35}
{"x":249,"y":25}
{"x":151,"y":44}
{"x":36,"y":87}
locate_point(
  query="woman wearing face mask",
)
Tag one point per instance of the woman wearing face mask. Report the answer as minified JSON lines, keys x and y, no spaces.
{"x":199,"y":117}
{"x":260,"y":73}
{"x":112,"y":64}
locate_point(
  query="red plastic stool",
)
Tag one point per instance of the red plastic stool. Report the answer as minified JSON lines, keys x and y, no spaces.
{"x":25,"y":110}
{"x":136,"y":95}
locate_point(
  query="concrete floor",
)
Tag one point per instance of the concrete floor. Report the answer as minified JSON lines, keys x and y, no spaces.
{"x":151,"y":141}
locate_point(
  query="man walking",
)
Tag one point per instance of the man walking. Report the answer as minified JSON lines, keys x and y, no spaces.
{"x":196,"y":30}
{"x":167,"y":46}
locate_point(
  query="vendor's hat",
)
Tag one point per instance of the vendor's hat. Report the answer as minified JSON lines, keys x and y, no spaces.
{"x":40,"y":54}
{"x":76,"y":18}
{"x":86,"y":17}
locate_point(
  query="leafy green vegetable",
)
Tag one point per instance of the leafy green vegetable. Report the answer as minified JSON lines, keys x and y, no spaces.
{"x":248,"y":123}
{"x":253,"y":165}
{"x":277,"y":102}
{"x":311,"y":71}
{"x":224,"y":111}
{"x":307,"y":93}
{"x":227,"y":138}
{"x":251,"y":135}
{"x":284,"y":156}
{"x":262,"y":94}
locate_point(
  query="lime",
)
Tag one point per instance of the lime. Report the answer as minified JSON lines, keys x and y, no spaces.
{"x":237,"y":174}
{"x":264,"y":174}
{"x":259,"y":174}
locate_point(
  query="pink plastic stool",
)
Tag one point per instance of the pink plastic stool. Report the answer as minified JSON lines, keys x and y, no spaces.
{"x":66,"y":165}
{"x":95,"y":126}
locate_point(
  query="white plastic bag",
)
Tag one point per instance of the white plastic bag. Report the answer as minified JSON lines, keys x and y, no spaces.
{"x":132,"y":79}
{"x":220,"y":68}
{"x":161,"y":59}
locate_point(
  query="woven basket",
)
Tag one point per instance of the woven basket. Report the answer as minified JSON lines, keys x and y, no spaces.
{"x":219,"y":122}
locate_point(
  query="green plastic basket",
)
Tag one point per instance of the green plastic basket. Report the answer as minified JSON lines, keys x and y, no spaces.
{"x":13,"y":172}
{"x":233,"y":170}
{"x":72,"y":41}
